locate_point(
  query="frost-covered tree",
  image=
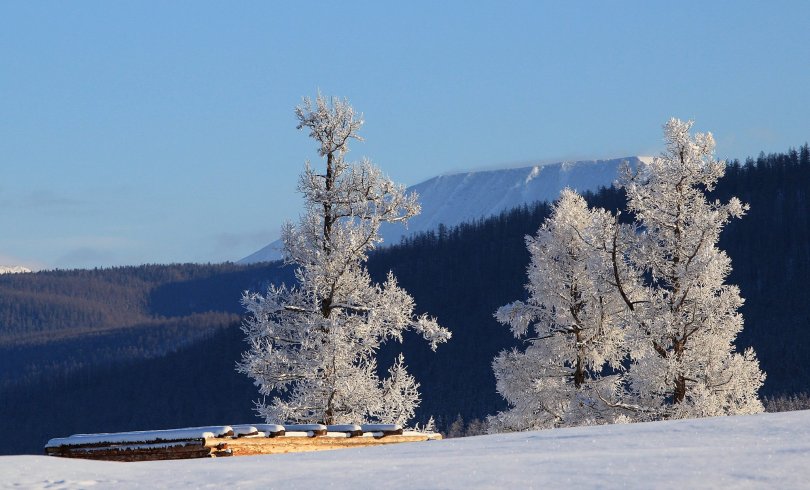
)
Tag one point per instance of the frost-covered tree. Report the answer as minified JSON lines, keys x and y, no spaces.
{"x":646,"y":303}
{"x":577,"y":319}
{"x":313,"y":347}
{"x":687,"y":318}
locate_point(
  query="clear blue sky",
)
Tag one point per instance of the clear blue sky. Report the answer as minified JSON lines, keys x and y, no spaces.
{"x":152,"y":132}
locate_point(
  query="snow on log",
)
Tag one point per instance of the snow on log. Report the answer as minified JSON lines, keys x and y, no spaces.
{"x":384,"y":429}
{"x":375,"y":434}
{"x":244,"y":430}
{"x":316,"y":429}
{"x":271,"y":430}
{"x":351,"y":429}
{"x":149,"y":436}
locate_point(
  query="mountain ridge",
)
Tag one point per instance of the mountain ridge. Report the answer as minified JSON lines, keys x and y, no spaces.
{"x":454,"y":198}
{"x":13,"y":269}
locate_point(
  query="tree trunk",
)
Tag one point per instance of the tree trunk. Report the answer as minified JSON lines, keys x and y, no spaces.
{"x":680,"y":389}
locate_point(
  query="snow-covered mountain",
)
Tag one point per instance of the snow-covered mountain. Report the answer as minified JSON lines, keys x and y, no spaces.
{"x":460,"y":197}
{"x":13,"y":269}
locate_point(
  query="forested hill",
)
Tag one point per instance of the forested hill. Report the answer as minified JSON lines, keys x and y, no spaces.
{"x":58,"y":320}
{"x":54,"y":305}
{"x":460,"y":275}
{"x":464,"y":274}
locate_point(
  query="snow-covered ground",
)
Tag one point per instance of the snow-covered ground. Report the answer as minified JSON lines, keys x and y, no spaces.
{"x":757,"y":451}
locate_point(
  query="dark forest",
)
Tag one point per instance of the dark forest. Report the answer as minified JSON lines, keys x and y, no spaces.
{"x":155,"y":346}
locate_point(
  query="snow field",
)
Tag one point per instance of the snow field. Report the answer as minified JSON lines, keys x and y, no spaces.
{"x":752,"y":451}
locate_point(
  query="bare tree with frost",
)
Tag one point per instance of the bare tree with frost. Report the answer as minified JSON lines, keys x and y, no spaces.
{"x":313,"y":347}
{"x":577,"y":320}
{"x":687,"y":318}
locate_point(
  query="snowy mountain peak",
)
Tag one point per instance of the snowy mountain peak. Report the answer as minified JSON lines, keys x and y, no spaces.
{"x":452,"y":199}
{"x":13,"y":269}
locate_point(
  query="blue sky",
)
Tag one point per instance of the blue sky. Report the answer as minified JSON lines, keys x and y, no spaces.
{"x":154,"y":132}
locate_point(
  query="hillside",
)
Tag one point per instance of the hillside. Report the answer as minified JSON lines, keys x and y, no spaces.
{"x":762,"y":451}
{"x":461,"y":275}
{"x":61,"y":320}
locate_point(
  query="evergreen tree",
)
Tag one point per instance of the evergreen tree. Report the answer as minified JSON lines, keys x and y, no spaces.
{"x":313,"y":347}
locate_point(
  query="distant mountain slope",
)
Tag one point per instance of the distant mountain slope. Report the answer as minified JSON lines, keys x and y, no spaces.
{"x":13,"y":269}
{"x":62,"y":320}
{"x":462,"y":197}
{"x":47,"y":306}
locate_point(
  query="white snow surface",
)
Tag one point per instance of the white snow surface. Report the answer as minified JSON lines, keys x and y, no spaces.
{"x":142,"y":436}
{"x":244,"y":429}
{"x":270,"y":428}
{"x":754,"y":451}
{"x":304,"y":427}
{"x":462,"y":197}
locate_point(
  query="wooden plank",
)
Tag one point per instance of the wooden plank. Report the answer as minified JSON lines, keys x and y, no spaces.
{"x":280,"y":445}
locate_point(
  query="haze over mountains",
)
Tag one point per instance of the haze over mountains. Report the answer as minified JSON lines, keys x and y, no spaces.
{"x":467,"y":196}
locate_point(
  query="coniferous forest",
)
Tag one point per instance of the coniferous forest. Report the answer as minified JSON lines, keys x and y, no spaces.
{"x":155,"y":346}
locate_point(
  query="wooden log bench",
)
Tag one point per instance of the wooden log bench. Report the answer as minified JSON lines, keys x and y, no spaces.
{"x":222,"y":441}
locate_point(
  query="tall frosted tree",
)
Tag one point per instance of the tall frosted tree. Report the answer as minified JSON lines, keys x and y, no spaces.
{"x":687,"y":317}
{"x":646,"y":304}
{"x":577,"y":320}
{"x":313,"y":346}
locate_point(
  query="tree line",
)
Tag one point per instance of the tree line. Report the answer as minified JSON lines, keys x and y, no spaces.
{"x":459,"y":274}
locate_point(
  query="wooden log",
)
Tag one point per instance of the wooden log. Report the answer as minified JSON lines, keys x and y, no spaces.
{"x":134,"y":456}
{"x":395,"y":432}
{"x":271,"y":430}
{"x":140,"y":452}
{"x":279,"y":445}
{"x":141,"y":437}
{"x":102,"y":445}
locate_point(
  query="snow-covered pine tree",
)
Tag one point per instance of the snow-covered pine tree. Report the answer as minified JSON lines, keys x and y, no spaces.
{"x":687,"y":318}
{"x":313,"y":347}
{"x":577,"y":318}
